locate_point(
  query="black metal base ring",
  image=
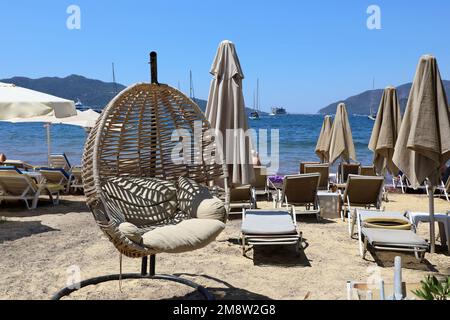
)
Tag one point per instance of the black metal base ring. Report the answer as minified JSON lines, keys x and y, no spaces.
{"x":115,"y":277}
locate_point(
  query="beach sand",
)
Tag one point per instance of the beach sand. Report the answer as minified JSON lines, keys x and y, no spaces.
{"x":39,"y":248}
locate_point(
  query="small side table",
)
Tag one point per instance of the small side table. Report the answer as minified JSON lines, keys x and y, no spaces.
{"x":330,"y":204}
{"x":443,"y":221}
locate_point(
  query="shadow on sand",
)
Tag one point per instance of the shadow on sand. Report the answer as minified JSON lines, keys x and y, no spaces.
{"x":17,"y":209}
{"x":223,"y":291}
{"x":22,"y":229}
{"x":385,"y":259}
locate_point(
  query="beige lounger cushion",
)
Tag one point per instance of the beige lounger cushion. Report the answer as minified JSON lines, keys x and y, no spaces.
{"x":186,"y":236}
{"x":197,"y":201}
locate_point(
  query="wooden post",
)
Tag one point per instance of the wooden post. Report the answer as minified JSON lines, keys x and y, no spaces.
{"x":153,"y":67}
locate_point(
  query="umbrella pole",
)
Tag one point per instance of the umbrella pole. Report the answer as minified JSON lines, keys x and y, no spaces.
{"x":49,"y":144}
{"x":432,"y":220}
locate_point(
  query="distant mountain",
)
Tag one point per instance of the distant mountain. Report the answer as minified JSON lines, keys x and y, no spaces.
{"x":361,"y":103}
{"x":92,"y":93}
{"x":202,"y":104}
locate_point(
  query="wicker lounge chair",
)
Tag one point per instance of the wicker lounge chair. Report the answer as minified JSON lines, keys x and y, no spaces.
{"x":140,"y":196}
{"x":300,"y":193}
{"x":361,"y":191}
{"x":275,"y":227}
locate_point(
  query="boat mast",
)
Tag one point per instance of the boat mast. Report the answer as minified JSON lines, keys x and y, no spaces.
{"x":257,"y":95}
{"x":370,"y":105}
{"x":114,"y":79}
{"x":191,"y":84}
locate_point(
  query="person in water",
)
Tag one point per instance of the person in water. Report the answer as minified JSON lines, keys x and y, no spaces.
{"x":2,"y":158}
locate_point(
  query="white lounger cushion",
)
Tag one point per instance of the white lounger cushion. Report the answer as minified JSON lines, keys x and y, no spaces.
{"x":397,"y":238}
{"x":268,"y":223}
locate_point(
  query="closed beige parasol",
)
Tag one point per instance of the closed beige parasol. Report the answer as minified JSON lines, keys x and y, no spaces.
{"x":385,"y":132}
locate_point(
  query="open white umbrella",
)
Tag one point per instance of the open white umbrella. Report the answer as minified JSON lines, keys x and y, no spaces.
{"x":18,"y":102}
{"x":423,"y":144}
{"x":85,"y":119}
{"x":385,"y":132}
{"x":341,"y":144}
{"x":226,"y":113}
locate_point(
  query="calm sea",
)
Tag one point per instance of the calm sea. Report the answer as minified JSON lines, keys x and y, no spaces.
{"x":298,"y":137}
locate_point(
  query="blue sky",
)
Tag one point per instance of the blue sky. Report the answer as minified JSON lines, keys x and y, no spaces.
{"x":307,"y":54}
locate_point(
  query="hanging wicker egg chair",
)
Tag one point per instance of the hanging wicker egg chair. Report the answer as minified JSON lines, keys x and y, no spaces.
{"x":128,"y":161}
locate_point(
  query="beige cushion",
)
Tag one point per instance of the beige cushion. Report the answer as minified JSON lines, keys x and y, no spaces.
{"x":143,"y":201}
{"x":197,"y":201}
{"x":186,"y":236}
{"x":211,"y":208}
{"x":131,"y":232}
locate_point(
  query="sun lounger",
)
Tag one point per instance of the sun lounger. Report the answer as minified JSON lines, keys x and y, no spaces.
{"x":242,"y":197}
{"x":378,"y":219}
{"x":403,"y":182}
{"x":59,"y":161}
{"x":303,"y":164}
{"x":57,"y":177}
{"x":300,"y":193}
{"x":19,"y":164}
{"x":9,"y":170}
{"x":262,"y":228}
{"x":444,"y":188}
{"x":77,"y":181}
{"x":22,"y":187}
{"x":346,"y":169}
{"x":361,"y":191}
{"x":260,"y":184}
{"x":323,"y":170}
{"x":394,"y":240}
{"x":367,"y":171}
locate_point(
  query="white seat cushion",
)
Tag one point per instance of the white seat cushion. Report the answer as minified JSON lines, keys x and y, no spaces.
{"x":268,"y":223}
{"x":400,"y":238}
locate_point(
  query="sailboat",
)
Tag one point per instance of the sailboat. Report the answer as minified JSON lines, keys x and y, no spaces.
{"x":372,"y":116}
{"x":255,"y":114}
